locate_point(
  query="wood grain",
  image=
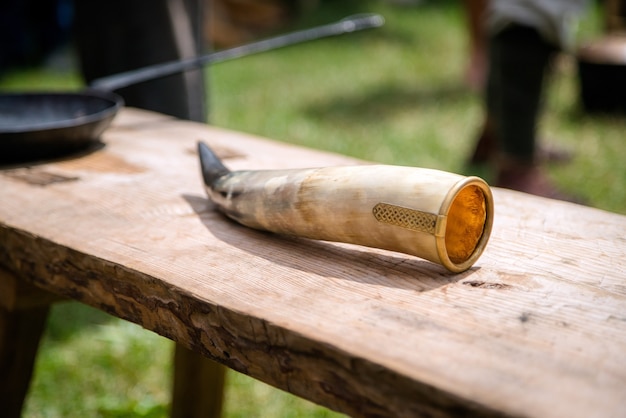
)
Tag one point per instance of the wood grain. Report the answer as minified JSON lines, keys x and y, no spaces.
{"x":536,"y":328}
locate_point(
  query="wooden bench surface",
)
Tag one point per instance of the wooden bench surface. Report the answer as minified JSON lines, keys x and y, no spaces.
{"x":536,"y":328}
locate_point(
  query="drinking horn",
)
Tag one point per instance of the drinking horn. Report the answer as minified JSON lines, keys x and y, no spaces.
{"x":439,"y":216}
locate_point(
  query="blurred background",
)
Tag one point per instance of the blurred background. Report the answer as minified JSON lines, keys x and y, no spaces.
{"x":400,"y":94}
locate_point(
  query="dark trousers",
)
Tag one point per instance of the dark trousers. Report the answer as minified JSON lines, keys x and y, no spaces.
{"x":519,"y":58}
{"x":113,"y":36}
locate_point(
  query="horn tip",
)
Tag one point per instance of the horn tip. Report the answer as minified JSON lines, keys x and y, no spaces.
{"x":210,"y":164}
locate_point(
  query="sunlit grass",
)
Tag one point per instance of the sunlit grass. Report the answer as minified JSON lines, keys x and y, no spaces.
{"x":93,"y":365}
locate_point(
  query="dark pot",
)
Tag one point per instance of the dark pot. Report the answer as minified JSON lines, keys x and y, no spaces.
{"x":602,"y":75}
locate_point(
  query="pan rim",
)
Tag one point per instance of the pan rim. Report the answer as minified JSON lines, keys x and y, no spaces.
{"x":115,"y":103}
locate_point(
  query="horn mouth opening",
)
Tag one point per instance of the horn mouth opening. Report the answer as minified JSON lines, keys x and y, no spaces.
{"x":468,"y":214}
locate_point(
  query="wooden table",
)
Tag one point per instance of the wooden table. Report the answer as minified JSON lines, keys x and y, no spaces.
{"x":536,"y":328}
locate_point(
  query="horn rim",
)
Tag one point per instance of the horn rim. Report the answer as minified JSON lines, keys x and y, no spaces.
{"x":442,"y":250}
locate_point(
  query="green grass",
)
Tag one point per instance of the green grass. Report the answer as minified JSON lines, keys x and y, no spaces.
{"x":91,"y":364}
{"x":393,"y":95}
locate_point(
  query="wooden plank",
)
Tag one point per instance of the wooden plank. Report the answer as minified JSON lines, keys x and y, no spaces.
{"x":536,"y":328}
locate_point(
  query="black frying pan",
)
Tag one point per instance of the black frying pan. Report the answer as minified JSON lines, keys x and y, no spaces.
{"x":47,"y":125}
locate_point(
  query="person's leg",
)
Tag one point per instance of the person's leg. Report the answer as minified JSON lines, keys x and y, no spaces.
{"x":519,"y":60}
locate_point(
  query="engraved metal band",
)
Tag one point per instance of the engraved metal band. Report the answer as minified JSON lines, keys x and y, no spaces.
{"x":412,"y":219}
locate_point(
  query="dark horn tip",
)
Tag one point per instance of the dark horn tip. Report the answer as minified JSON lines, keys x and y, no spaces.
{"x":210,"y":164}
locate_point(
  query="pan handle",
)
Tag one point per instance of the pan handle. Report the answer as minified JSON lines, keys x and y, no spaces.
{"x":349,"y":24}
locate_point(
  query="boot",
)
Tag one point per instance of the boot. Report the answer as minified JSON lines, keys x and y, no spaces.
{"x":487,"y":149}
{"x":528,"y":177}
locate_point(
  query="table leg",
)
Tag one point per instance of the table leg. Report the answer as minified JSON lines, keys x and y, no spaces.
{"x":198,"y":385}
{"x":23,"y":314}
